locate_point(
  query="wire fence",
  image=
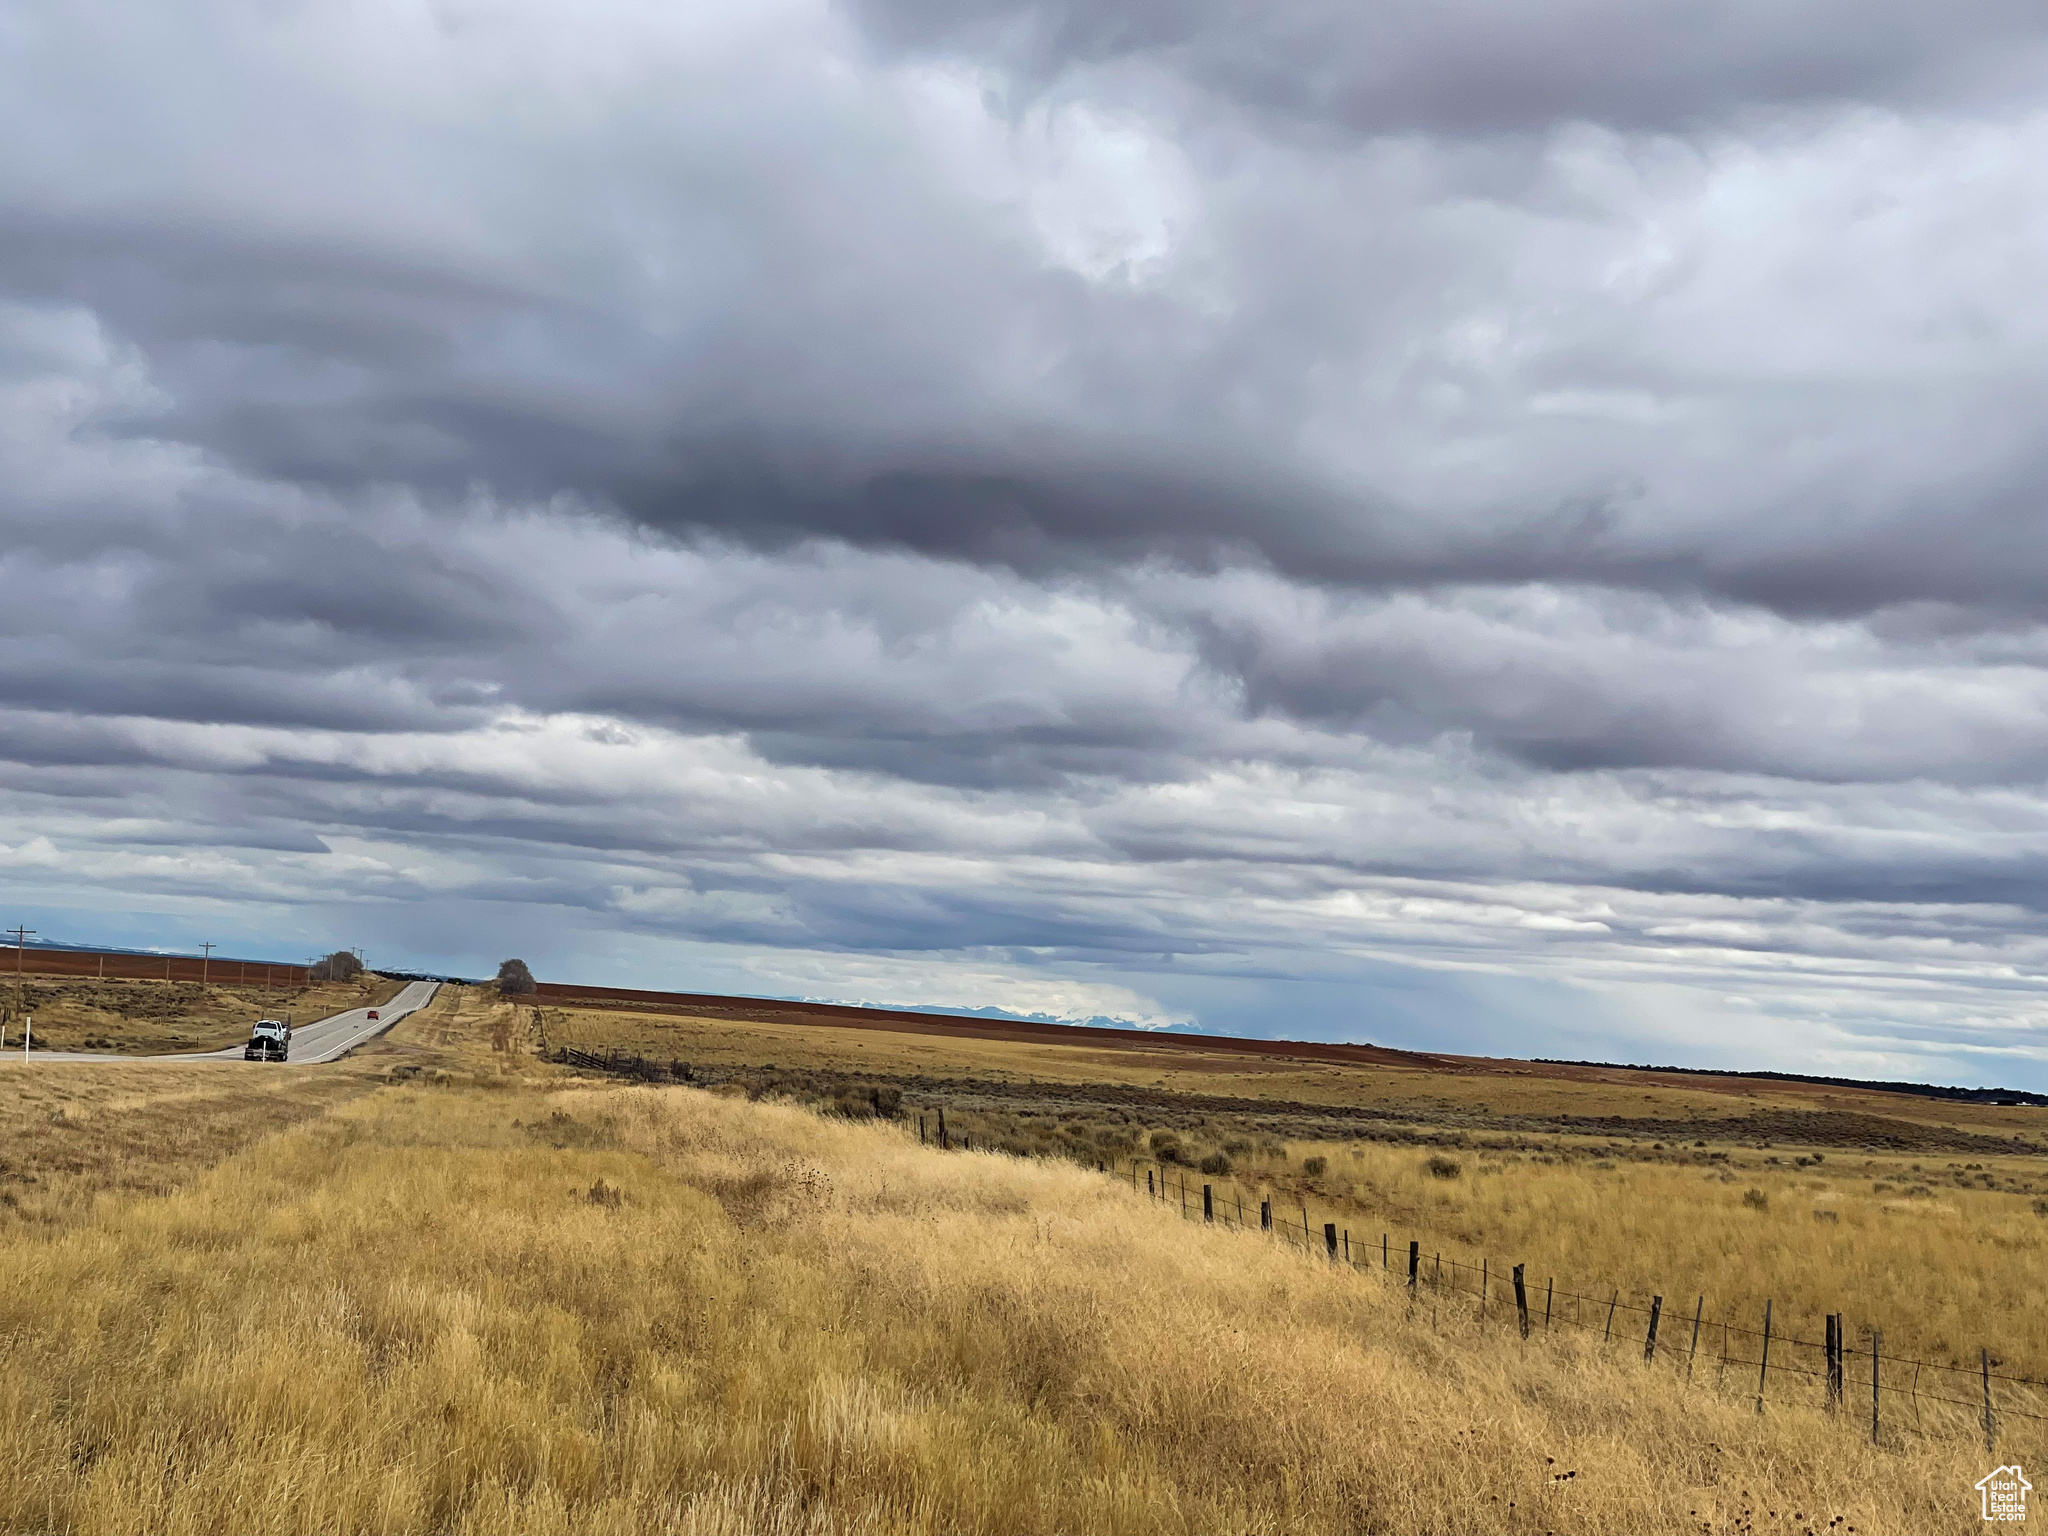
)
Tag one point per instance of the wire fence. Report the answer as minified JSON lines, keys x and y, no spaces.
{"x":1885,"y":1394}
{"x":1894,"y":1395}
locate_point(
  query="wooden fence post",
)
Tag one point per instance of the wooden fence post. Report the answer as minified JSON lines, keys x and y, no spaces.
{"x":1609,"y":1334}
{"x":1347,"y":1245}
{"x":1484,"y":1274}
{"x":1521,"y":1302}
{"x":1330,"y":1237}
{"x":944,"y":1143}
{"x":1383,"y":1250}
{"x":1650,"y":1344}
{"x":1208,"y":1204}
{"x":1414,"y":1261}
{"x":1265,"y":1215}
{"x":1697,"y":1312}
{"x":1764,"y":1365}
{"x":1876,"y":1350}
{"x":1150,"y":1192}
{"x":1549,"y":1284}
{"x":1834,"y":1357}
{"x":920,"y":1130}
{"x":1990,"y":1428}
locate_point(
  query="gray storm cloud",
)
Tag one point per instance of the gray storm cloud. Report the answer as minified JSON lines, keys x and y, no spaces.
{"x":1091,"y":511}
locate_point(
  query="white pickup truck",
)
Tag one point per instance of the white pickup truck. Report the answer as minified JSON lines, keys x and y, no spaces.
{"x":270,"y":1040}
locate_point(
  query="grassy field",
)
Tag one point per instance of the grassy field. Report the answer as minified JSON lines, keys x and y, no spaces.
{"x":1456,"y":1090}
{"x":1928,"y":1221}
{"x":72,"y":1133}
{"x":484,"y":1299}
{"x":150,"y":1017}
{"x":444,"y":1287}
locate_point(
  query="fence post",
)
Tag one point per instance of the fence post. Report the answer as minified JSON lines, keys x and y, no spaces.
{"x":1208,"y":1204}
{"x":1549,"y":1284}
{"x":1383,"y":1251}
{"x":1650,"y":1344}
{"x":1834,"y":1349}
{"x":1183,"y":1197}
{"x":1697,"y":1312}
{"x":1876,"y":1349}
{"x":1521,"y":1302}
{"x":1150,"y":1192}
{"x":944,"y":1143}
{"x":1609,"y":1334}
{"x":1990,"y":1434}
{"x":1414,"y":1261}
{"x":1347,"y":1245}
{"x":1240,"y":1208}
{"x":1265,"y":1215}
{"x":1764,"y":1365}
{"x":1330,"y":1237}
{"x":1484,"y":1274}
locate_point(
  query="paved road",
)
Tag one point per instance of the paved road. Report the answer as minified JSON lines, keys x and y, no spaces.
{"x":327,"y":1039}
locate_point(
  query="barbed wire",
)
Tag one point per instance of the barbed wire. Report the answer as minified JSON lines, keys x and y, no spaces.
{"x":1431,"y":1269}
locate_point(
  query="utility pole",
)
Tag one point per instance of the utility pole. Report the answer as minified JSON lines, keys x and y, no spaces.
{"x":205,"y":960}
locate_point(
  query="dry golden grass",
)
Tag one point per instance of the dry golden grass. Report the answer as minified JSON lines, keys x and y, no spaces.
{"x":1917,"y":1244}
{"x":72,"y":1132}
{"x":1941,"y":1271}
{"x":149,"y":1017}
{"x":493,"y":1306}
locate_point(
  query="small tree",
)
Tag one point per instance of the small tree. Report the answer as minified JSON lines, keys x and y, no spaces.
{"x":339,"y":966}
{"x":514,"y":979}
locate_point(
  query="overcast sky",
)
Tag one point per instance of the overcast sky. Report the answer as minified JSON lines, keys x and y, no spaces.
{"x":1510,"y":526}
